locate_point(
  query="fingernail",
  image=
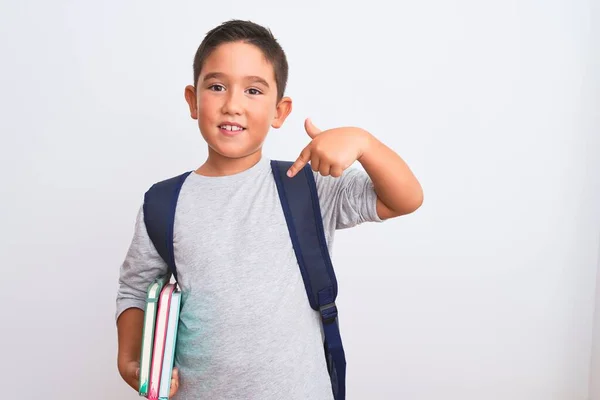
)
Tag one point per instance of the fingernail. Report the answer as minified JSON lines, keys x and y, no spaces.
{"x":289,"y":173}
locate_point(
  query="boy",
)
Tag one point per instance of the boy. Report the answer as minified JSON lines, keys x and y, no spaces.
{"x":246,"y":329}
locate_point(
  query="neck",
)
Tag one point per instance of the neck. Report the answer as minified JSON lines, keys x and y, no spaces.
{"x":219,"y":165}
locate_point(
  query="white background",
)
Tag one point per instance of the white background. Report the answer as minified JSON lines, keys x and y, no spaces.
{"x":486,"y":293}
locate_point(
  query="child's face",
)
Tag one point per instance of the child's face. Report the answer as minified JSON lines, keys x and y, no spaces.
{"x":236,"y":88}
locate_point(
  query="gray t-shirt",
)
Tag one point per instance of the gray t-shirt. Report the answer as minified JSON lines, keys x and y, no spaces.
{"x":246,"y":330}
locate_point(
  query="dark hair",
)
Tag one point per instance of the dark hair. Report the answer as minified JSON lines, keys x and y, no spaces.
{"x":247,"y":32}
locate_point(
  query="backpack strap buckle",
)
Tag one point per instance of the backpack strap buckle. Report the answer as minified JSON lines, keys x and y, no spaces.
{"x":328,"y":313}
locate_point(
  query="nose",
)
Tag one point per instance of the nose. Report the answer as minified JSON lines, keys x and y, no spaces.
{"x":233,"y":104}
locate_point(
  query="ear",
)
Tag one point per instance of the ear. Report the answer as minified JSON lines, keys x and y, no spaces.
{"x":190,"y":97}
{"x":284,"y":108}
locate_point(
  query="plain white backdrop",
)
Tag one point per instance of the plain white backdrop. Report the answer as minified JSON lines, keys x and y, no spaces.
{"x":485,"y":293}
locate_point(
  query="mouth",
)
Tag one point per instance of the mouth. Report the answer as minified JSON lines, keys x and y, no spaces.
{"x":231,"y":129}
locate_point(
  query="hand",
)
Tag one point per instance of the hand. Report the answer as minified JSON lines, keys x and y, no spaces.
{"x":131,"y":374}
{"x":174,"y":382}
{"x":332,"y":151}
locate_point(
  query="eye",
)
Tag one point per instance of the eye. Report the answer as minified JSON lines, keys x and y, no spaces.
{"x":254,"y":91}
{"x":216,"y":88}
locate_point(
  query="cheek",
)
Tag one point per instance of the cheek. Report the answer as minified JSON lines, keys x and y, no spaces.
{"x":206,"y":112}
{"x":262,"y":115}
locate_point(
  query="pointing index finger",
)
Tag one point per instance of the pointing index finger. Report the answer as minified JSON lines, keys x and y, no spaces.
{"x":302,"y":160}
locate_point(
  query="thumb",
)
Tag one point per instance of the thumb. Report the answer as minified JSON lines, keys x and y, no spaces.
{"x":311,"y":129}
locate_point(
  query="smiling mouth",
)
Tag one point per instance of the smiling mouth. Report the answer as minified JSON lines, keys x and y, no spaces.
{"x":231,"y":128}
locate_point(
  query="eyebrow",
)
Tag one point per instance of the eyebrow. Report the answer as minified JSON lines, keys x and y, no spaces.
{"x":220,"y":75}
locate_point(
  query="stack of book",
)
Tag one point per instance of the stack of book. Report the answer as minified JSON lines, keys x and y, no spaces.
{"x":161,"y":318}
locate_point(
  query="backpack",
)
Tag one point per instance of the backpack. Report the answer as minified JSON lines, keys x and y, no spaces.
{"x":300,"y":203}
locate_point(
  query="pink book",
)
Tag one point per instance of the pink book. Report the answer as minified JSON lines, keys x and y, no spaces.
{"x":160,"y":335}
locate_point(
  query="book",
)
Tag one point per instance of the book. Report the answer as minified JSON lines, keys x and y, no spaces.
{"x":170,"y":344}
{"x":160,"y":336}
{"x":152,"y":296}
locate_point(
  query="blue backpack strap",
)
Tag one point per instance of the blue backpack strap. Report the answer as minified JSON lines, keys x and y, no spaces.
{"x":160,"y":202}
{"x":300,"y":203}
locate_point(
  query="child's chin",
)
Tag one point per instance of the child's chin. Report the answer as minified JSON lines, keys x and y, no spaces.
{"x":235,"y":151}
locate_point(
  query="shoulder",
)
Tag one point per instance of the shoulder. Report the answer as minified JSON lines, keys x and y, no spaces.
{"x":168,"y":185}
{"x":169,"y":182}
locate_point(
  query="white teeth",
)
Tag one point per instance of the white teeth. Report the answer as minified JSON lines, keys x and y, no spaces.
{"x":231,"y":128}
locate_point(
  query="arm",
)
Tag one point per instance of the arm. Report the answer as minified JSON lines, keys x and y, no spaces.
{"x":332,"y":151}
{"x":398,"y":191}
{"x":129,"y":330}
{"x":142,"y":265}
